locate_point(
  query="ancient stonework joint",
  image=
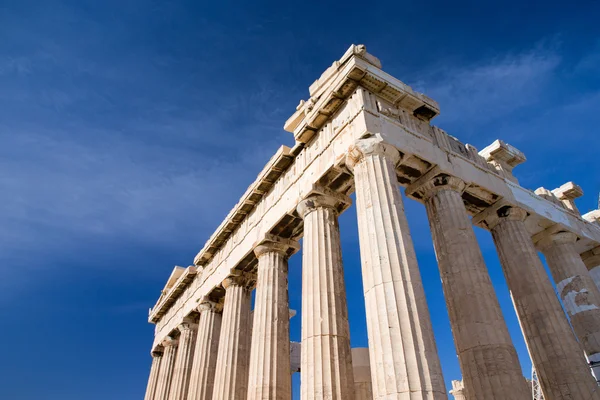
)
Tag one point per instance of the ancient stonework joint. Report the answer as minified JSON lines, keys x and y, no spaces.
{"x":371,"y":145}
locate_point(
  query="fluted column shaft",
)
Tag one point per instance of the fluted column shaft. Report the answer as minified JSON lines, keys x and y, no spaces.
{"x":326,"y":364}
{"x":231,"y":379}
{"x":403,"y":353}
{"x":270,"y":375}
{"x":561,"y":367}
{"x":363,"y":388}
{"x":153,"y":378}
{"x":486,"y":354}
{"x":202,"y":379}
{"x":183,"y":363}
{"x":165,"y":376}
{"x":576,"y":289}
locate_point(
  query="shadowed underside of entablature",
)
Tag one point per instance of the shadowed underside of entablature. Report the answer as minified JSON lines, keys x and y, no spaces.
{"x":354,"y":98}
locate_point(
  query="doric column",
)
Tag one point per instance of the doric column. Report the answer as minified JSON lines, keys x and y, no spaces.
{"x":363,"y":389}
{"x":205,"y":355}
{"x":486,"y":353}
{"x":576,"y":289}
{"x":270,"y":375}
{"x":165,"y":376}
{"x":231,"y":378}
{"x":403,"y":354}
{"x":183,"y":362}
{"x":561,"y":367}
{"x":154,"y":370}
{"x":326,"y":366}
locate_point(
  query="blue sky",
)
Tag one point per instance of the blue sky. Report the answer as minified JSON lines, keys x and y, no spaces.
{"x":128,"y":129}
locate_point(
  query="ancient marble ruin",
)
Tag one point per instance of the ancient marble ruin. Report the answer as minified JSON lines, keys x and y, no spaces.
{"x":363,"y":131}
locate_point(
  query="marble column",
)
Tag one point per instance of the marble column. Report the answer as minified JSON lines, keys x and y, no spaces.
{"x":205,"y":355}
{"x":363,"y":389}
{"x":326,"y":365}
{"x":403,"y":354}
{"x":561,"y":367}
{"x":165,"y":376}
{"x":231,"y":377}
{"x":486,"y":354}
{"x":576,"y":289}
{"x":154,"y":370}
{"x":270,"y":374}
{"x":183,"y":363}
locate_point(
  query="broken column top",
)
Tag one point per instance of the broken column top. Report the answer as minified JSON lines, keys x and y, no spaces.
{"x":503,"y":152}
{"x":568,"y":191}
{"x":548,"y":195}
{"x":458,"y":385}
{"x":564,"y":195}
{"x":503,"y":157}
{"x":592,"y":216}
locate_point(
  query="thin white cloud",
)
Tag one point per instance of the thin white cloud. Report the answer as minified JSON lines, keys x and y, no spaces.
{"x":590,"y":63}
{"x":489,"y":89}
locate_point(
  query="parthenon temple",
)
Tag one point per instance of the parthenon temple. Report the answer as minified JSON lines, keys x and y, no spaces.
{"x":365,"y":132}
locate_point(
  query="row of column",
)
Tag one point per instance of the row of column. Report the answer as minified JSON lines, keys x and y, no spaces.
{"x":402,"y":350}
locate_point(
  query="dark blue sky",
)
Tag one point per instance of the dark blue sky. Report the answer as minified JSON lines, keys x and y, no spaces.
{"x":128,"y":130}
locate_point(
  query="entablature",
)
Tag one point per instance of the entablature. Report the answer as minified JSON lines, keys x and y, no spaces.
{"x":179,"y":280}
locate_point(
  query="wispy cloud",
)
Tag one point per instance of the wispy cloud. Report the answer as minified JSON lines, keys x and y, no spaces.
{"x":117,"y":148}
{"x":532,"y":99}
{"x":490,"y":88}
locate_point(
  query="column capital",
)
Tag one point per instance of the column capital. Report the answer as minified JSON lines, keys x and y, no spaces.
{"x":548,"y":238}
{"x":370,"y":145}
{"x":497,"y":213}
{"x":239,"y":278}
{"x":169,"y":341}
{"x":323,"y":198}
{"x":208,"y":304}
{"x":276,"y":244}
{"x":157,"y":352}
{"x":433,"y":181}
{"x":591,"y":258}
{"x":593,"y":217}
{"x":188,"y":324}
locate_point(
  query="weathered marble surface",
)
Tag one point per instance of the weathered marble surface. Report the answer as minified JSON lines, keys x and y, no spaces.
{"x":354,"y":100}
